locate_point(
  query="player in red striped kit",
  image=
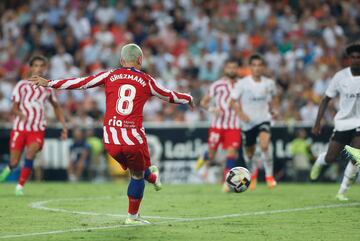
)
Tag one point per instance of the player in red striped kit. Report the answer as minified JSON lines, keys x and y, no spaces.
{"x":29,"y":125}
{"x":225,"y":124}
{"x":127,"y":89}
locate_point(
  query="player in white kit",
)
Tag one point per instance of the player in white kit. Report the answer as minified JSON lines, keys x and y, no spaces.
{"x":346,"y":85}
{"x":255,"y":96}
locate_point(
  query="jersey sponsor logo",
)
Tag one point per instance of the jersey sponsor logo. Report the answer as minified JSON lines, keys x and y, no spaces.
{"x":114,"y":122}
{"x":128,"y":76}
{"x":352,"y":95}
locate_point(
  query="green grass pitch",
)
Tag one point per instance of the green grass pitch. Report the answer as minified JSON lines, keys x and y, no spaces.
{"x":85,"y":211}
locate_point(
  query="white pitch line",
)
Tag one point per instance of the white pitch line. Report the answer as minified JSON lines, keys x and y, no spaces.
{"x":40,"y":205}
{"x":257,"y":213}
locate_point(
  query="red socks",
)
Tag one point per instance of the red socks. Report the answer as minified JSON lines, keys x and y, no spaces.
{"x":134,"y":205}
{"x":24,"y":175}
{"x":151,"y":178}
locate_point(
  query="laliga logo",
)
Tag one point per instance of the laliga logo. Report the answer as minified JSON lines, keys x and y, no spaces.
{"x":114,"y":122}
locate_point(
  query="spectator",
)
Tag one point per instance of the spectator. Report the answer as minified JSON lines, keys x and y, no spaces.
{"x":301,"y":155}
{"x":79,"y":156}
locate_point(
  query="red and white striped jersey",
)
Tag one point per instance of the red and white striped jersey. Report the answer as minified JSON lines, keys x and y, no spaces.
{"x":220,"y":92}
{"x":126,"y":91}
{"x":32,"y":105}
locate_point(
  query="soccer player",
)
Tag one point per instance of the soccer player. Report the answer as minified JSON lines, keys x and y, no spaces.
{"x":257,"y":104}
{"x":345,"y":83}
{"x":29,"y":125}
{"x":225,"y":124}
{"x":127,"y":89}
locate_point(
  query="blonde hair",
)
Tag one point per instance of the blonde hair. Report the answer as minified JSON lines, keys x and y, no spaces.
{"x":131,"y":53}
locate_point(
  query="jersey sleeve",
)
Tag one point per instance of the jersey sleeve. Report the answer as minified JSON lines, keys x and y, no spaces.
{"x":332,"y":90}
{"x":81,"y":83}
{"x":168,"y":95}
{"x":272,"y":88}
{"x":237,"y":91}
{"x":211,"y":91}
{"x":15,"y":96}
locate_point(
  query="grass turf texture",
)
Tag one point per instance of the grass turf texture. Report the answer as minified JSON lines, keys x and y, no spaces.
{"x":108,"y":201}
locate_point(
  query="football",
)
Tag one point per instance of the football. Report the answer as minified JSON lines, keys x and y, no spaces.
{"x":238,"y":179}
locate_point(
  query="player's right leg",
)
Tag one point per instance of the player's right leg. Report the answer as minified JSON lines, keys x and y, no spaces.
{"x":15,"y":156}
{"x":152,"y":175}
{"x":135,"y":194}
{"x":323,"y":159}
{"x":254,"y":169}
{"x":354,"y":150}
{"x":264,"y":140}
{"x":17,"y":145}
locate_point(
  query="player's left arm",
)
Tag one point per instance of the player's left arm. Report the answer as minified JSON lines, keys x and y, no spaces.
{"x":73,"y":83}
{"x":235,"y":103}
{"x":274,"y":101}
{"x":60,"y":116}
{"x":170,"y":95}
{"x":274,"y":106}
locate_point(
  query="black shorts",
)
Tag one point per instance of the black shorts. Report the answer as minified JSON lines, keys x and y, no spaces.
{"x":345,"y":137}
{"x":252,"y":134}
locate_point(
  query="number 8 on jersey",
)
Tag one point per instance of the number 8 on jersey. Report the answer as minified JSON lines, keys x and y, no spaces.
{"x":125,"y":104}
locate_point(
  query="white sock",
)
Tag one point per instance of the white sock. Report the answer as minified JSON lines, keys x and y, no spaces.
{"x":268,"y":163}
{"x":18,"y":187}
{"x":321,"y":159}
{"x":133,"y":216}
{"x":252,"y":164}
{"x":349,"y":175}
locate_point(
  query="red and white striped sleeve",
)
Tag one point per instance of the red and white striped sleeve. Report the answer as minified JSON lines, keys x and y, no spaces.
{"x":168,"y":95}
{"x":80,"y":83}
{"x":15,"y":97}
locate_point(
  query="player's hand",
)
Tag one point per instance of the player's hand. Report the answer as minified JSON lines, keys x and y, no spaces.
{"x":39,"y":81}
{"x":274,"y":114}
{"x":64,"y":133}
{"x":244,"y":117}
{"x":191,"y":104}
{"x":217,"y":111}
{"x":316,"y":130}
{"x":22,"y":117}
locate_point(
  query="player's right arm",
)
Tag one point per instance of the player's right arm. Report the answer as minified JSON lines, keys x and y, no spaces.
{"x":322,"y":108}
{"x":16,"y":102}
{"x":330,"y":93}
{"x":73,"y":83}
{"x":16,"y":111}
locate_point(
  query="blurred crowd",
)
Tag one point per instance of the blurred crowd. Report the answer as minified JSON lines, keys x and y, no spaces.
{"x":185,"y":44}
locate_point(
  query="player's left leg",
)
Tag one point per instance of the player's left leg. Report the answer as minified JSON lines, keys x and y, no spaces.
{"x":349,"y":177}
{"x":264,"y":141}
{"x":26,"y":170}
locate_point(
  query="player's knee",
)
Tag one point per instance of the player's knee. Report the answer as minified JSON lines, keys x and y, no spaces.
{"x":231,"y":152}
{"x":330,"y":158}
{"x":137,"y":174}
{"x":264,"y":148}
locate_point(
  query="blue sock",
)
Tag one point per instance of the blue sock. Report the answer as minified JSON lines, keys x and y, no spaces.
{"x":206,"y":156}
{"x":28,"y":163}
{"x":136,"y":188}
{"x":147,"y":173}
{"x":230,"y":162}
